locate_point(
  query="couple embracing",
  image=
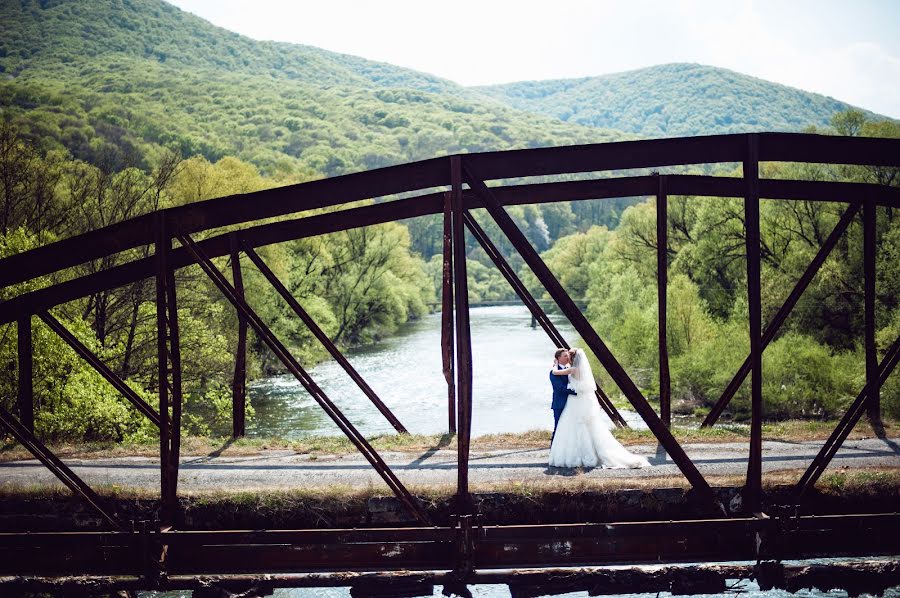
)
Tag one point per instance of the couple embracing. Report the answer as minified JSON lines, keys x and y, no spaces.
{"x":581,"y":436}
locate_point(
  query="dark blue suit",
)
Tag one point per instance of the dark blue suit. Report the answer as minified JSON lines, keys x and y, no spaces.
{"x":561,"y":394}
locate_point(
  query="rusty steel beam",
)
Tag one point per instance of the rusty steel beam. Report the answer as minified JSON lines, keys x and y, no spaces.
{"x":845,"y":426}
{"x":590,"y":336}
{"x":433,"y":548}
{"x":239,"y":378}
{"x":753,"y":488}
{"x":828,"y":149}
{"x":220,"y":245}
{"x":269,"y":203}
{"x":323,"y":338}
{"x":225,"y":211}
{"x":873,"y":576}
{"x":662,"y":282}
{"x":161,"y":257}
{"x":280,"y":351}
{"x":169,"y":375}
{"x":783,"y":312}
{"x":870,"y":230}
{"x":447,"y":315}
{"x":710,"y":149}
{"x":65,"y":475}
{"x":101,"y":368}
{"x":537,"y":313}
{"x":463,"y":339}
{"x":175,"y":388}
{"x":257,"y":236}
{"x":25,"y":353}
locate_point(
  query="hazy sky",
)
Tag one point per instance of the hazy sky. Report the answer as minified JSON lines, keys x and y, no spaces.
{"x":847,"y":50}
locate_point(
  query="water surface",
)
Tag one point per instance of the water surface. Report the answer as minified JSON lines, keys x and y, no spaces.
{"x":511,"y":390}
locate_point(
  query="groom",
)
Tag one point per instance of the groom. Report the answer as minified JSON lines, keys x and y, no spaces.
{"x":560,"y":383}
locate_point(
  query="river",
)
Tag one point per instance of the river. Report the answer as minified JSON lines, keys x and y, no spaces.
{"x":511,"y":392}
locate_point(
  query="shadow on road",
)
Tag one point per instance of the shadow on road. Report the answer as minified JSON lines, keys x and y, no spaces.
{"x":444,"y":441}
{"x":222,"y":448}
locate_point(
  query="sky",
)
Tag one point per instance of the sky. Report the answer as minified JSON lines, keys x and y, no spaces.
{"x":846,"y":50}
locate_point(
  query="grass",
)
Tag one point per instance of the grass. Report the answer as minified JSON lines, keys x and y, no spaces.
{"x":791,"y":430}
{"x":872,"y":482}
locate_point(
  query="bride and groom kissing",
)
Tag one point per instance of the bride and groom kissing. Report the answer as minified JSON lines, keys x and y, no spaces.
{"x":581,"y":436}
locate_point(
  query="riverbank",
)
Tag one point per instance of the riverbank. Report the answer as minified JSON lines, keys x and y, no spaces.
{"x":787,"y":431}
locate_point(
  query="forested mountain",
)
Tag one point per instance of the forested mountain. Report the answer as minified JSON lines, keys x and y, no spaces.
{"x":672,"y":100}
{"x":116,"y":81}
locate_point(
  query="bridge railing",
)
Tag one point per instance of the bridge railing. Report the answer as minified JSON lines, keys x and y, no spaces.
{"x":461,"y":186}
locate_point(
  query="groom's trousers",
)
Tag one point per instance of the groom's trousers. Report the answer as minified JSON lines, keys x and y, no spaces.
{"x":556,"y":414}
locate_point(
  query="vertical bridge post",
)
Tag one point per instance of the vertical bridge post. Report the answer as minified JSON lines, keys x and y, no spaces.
{"x":463,"y":339}
{"x":169,"y":373}
{"x":662,"y":274}
{"x":239,"y":380}
{"x":447,"y":314}
{"x":753,"y":488}
{"x":873,"y":384}
{"x":26,"y":373}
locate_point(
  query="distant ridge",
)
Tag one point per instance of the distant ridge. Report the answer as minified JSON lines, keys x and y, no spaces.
{"x":672,"y":100}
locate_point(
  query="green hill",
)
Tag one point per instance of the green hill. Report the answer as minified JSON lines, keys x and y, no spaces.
{"x":115,"y":81}
{"x":672,"y":100}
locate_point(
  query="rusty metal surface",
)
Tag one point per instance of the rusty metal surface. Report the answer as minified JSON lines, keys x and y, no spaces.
{"x":873,"y":383}
{"x":662,"y":281}
{"x":463,"y":336}
{"x":239,"y":378}
{"x":424,"y":548}
{"x":25,"y":382}
{"x":161,"y":254}
{"x":447,"y":314}
{"x":754,"y":307}
{"x":872,"y":576}
{"x":465,"y":546}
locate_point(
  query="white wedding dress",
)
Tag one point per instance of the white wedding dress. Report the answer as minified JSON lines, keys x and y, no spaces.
{"x":582,"y":436}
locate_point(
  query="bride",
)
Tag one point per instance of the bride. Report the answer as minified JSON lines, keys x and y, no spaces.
{"x":582,"y":437}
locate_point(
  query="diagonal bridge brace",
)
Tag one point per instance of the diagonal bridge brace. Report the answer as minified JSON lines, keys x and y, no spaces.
{"x":24,"y":437}
{"x":845,"y":426}
{"x":590,"y":336}
{"x":540,"y":317}
{"x":323,"y":338}
{"x":785,"y":310}
{"x":100,"y":367}
{"x":269,"y":338}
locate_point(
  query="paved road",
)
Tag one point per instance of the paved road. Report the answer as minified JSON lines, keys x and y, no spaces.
{"x":285,"y":469}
